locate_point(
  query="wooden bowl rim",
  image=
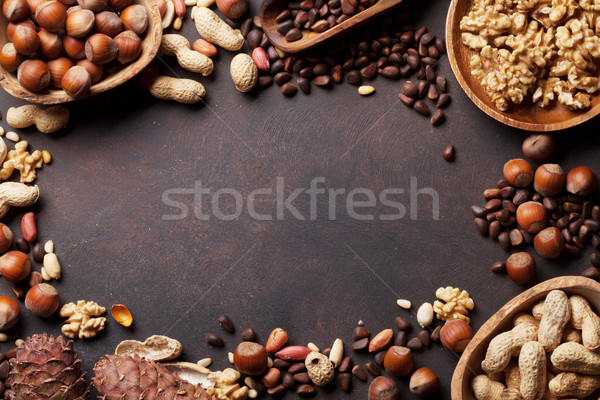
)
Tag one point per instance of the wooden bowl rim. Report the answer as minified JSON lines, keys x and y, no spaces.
{"x":541,"y":289}
{"x":505,"y":118}
{"x":150,"y":43}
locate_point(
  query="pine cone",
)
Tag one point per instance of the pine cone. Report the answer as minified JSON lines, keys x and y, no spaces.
{"x":127,"y":377}
{"x":46,"y":368}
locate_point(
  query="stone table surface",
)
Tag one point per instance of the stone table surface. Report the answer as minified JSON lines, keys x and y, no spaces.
{"x":142,"y":197}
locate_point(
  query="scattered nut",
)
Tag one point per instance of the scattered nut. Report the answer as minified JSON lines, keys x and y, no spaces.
{"x":154,"y":348}
{"x":84,"y":319}
{"x":457,"y":306}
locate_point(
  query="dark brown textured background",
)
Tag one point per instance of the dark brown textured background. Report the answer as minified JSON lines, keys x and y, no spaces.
{"x":101,"y":204}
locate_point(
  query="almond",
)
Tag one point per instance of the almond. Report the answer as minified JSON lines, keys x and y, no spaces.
{"x":381,"y":341}
{"x":261,"y":59}
{"x":28,"y":227}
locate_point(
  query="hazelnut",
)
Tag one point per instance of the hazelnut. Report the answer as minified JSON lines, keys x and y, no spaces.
{"x":92,"y":5}
{"x":94,"y":70}
{"x":75,"y":48}
{"x":424,"y":382}
{"x":531,"y":216}
{"x":51,"y":15}
{"x":10,"y":312}
{"x":109,"y":23}
{"x":6,"y":238}
{"x":15,"y":266}
{"x":383,"y":388}
{"x":250,"y":358}
{"x":9,"y":58}
{"x":33,"y":5}
{"x":398,"y":360}
{"x":538,"y":146}
{"x":549,"y":179}
{"x":42,"y":300}
{"x":15,"y":10}
{"x":119,"y":5}
{"x":33,"y":75}
{"x":80,"y":23}
{"x":50,"y":44}
{"x":233,"y":8}
{"x":518,"y":172}
{"x":549,"y":242}
{"x":520,"y":267}
{"x":10,"y":28}
{"x":100,"y":49}
{"x":25,"y":39}
{"x":58,"y":68}
{"x":455,"y":335}
{"x":135,"y":18}
{"x":581,"y":181}
{"x":77,"y":82}
{"x":129,"y":45}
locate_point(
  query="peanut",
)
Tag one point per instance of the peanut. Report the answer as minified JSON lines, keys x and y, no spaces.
{"x":243,"y":72}
{"x":538,"y":310}
{"x":3,"y":150}
{"x":215,"y":30}
{"x":510,"y":394}
{"x":532,"y":366}
{"x":582,"y":317}
{"x":556,"y":316}
{"x":506,"y":345}
{"x":574,"y":357}
{"x":179,"y":46}
{"x":167,"y":19}
{"x":512,"y":375}
{"x":524,"y":318}
{"x":18,"y":195}
{"x":570,"y":384}
{"x":486,"y":389}
{"x":46,"y":121}
{"x":570,"y":334}
{"x":182,"y":90}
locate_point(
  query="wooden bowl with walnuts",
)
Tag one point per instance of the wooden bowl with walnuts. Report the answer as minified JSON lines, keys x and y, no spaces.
{"x":527,"y":114}
{"x":55,"y":52}
{"x":519,"y":312}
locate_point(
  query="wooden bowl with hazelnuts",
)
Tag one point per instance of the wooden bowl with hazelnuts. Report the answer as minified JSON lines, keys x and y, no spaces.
{"x":57,"y":51}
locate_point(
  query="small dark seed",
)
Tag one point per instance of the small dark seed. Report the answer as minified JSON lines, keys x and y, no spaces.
{"x":293,"y":35}
{"x":305,"y":390}
{"x":435,"y":335}
{"x":409,"y":89}
{"x":38,"y":252}
{"x":249,"y":335}
{"x":276,"y":391}
{"x":22,"y":245}
{"x":226,"y":323}
{"x":303,"y":84}
{"x":345,"y":381}
{"x":296,"y":368}
{"x":438,"y":117}
{"x":359,"y":372}
{"x":265,"y":82}
{"x":423,"y":336}
{"x":595,"y":260}
{"x":408,"y":101}
{"x":450,"y":154}
{"x":281,"y":364}
{"x":360,"y":344}
{"x":592,"y":273}
{"x":441,"y":83}
{"x":214,"y":340}
{"x":378,"y":358}
{"x":302,"y":377}
{"x":401,"y":339}
{"x":18,"y":292}
{"x":403,"y":324}
{"x":372,"y":369}
{"x":422,"y":108}
{"x":346,"y":364}
{"x":285,"y":26}
{"x":288,"y":381}
{"x":414,"y":344}
{"x":289,"y":89}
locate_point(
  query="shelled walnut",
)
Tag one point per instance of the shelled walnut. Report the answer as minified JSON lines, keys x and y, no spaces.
{"x":20,"y":159}
{"x":457,"y":304}
{"x":84,"y":319}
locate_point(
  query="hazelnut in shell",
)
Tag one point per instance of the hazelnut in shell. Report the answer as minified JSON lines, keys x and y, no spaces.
{"x":424,"y":382}
{"x":92,"y":5}
{"x":15,"y":10}
{"x":77,"y":82}
{"x":58,"y":68}
{"x":109,"y":23}
{"x":455,"y":335}
{"x":520,"y":267}
{"x":538,"y":146}
{"x":94,"y":70}
{"x":532,"y":217}
{"x":119,"y":5}
{"x":50,"y":44}
{"x":100,"y":49}
{"x":135,"y":18}
{"x":42,"y":300}
{"x":250,"y":358}
{"x":399,"y":360}
{"x":549,"y":242}
{"x":129,"y":45}
{"x":80,"y":23}
{"x":75,"y":48}
{"x":6,"y":238}
{"x":383,"y":388}
{"x":233,"y":8}
{"x":33,"y":5}
{"x":581,"y":181}
{"x":10,"y":312}
{"x":12,"y":26}
{"x":25,"y":39}
{"x":15,"y":266}
{"x":9,"y":58}
{"x":33,"y":75}
{"x":51,"y":15}
{"x":549,"y":179}
{"x":518,"y":172}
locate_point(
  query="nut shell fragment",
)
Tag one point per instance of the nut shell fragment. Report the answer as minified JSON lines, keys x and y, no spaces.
{"x":320,"y":369}
{"x":155,"y":348}
{"x":193,"y":373}
{"x":122,"y":315}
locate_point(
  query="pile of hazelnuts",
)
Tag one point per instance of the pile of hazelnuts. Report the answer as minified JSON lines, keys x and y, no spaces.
{"x":70,"y":44}
{"x":546,"y":207}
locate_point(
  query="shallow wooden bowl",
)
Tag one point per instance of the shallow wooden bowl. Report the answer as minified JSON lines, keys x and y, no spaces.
{"x":269,"y":9}
{"x":150,"y":45}
{"x":469,"y":364}
{"x":523,"y":116}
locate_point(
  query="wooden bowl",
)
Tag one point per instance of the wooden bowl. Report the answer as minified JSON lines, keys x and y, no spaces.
{"x":470,"y":362}
{"x":526,"y":115}
{"x":150,"y":45}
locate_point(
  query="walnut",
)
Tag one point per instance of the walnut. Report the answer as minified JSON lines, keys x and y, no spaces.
{"x":578,"y":43}
{"x":544,"y":94}
{"x":558,"y":11}
{"x":457,"y":306}
{"x":568,"y":96}
{"x":20,"y":159}
{"x":475,"y":42}
{"x":226,"y":385}
{"x":84,"y":319}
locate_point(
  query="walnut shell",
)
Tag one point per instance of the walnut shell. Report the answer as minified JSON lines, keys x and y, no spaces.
{"x":320,"y":369}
